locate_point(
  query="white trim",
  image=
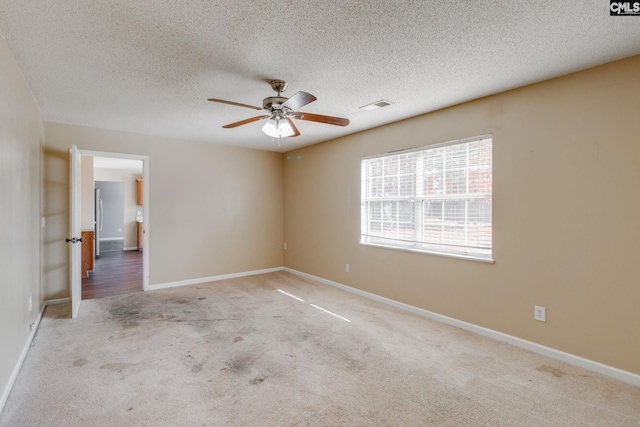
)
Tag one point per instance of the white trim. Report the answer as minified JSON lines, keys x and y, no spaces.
{"x":145,"y":203}
{"x":442,"y":244}
{"x":429,"y":146}
{"x":110,"y":239}
{"x":600,"y":368}
{"x":23,"y":355}
{"x":428,"y":252}
{"x":130,"y":248}
{"x":213,"y":278}
{"x":145,"y":229}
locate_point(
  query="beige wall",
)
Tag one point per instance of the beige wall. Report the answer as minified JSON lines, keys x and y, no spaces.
{"x":214,"y":209}
{"x":566,"y":179}
{"x":87,"y":222}
{"x":566,"y":199}
{"x":21,"y":134}
{"x":128,"y":178}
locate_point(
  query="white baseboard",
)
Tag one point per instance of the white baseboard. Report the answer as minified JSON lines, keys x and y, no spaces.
{"x":23,"y":355}
{"x":610,"y":371}
{"x":130,"y":248}
{"x":213,"y":278}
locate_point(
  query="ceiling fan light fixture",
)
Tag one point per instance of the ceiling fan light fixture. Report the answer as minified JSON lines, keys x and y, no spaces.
{"x":278,"y":128}
{"x":279,"y":112}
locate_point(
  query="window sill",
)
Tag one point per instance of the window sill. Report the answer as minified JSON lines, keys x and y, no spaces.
{"x":442,"y":254}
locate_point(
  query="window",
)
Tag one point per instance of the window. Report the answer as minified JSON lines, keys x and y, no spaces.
{"x":433,"y":199}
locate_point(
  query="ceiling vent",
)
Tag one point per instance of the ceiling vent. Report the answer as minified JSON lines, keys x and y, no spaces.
{"x":377,"y":104}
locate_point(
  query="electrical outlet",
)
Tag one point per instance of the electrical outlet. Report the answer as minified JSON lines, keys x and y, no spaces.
{"x":30,"y":303}
{"x":285,"y":246}
{"x":540,"y":314}
{"x":346,"y":268}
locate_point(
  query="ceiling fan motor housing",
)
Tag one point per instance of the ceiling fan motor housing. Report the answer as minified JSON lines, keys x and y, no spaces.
{"x":273,"y":101}
{"x":278,"y":85}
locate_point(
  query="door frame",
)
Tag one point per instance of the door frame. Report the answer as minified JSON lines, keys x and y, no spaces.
{"x":145,"y":203}
{"x":75,"y":231}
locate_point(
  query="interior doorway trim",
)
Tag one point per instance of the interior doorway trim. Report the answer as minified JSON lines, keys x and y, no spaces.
{"x":145,"y":203}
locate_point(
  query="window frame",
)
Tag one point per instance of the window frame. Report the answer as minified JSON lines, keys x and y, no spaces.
{"x":420,"y":199}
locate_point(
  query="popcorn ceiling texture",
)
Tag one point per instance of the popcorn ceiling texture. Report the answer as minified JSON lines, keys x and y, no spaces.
{"x":148,"y":66}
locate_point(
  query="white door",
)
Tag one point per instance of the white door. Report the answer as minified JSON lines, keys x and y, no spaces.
{"x":75,"y":245}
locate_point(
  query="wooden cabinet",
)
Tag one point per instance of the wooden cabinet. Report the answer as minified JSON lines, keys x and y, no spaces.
{"x":88,"y":259}
{"x":140,"y":236}
{"x":140,"y":198}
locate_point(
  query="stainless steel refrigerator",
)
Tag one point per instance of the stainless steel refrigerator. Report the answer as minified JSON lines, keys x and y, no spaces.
{"x":109,"y":216}
{"x":99,"y":221}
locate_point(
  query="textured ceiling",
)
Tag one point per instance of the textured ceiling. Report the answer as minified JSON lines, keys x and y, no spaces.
{"x":149,"y":66}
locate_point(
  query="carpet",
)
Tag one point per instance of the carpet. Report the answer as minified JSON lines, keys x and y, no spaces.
{"x":280,"y":350}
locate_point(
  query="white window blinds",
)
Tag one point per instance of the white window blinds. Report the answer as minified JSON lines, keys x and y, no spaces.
{"x":431,"y":199}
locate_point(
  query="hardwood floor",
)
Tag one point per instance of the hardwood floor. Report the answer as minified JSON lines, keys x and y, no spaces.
{"x":115,"y":273}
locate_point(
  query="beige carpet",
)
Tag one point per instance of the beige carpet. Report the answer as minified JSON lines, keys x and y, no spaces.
{"x":241,"y":353}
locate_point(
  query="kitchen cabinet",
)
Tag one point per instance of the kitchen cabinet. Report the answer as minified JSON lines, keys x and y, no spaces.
{"x":140,"y":236}
{"x":140,"y":198}
{"x":88,"y":259}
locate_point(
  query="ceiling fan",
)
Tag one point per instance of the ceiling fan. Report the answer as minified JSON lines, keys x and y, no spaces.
{"x":280,"y":111}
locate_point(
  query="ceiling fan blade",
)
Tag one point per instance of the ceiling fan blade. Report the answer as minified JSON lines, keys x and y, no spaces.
{"x":244,"y":122}
{"x":299,"y":100}
{"x":295,"y":129}
{"x":236,"y":103}
{"x":338,"y":121}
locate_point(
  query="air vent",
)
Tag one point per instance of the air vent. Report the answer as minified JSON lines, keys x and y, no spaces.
{"x":377,"y":104}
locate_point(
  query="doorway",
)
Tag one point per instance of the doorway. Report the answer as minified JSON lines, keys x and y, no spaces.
{"x":120,"y":257}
